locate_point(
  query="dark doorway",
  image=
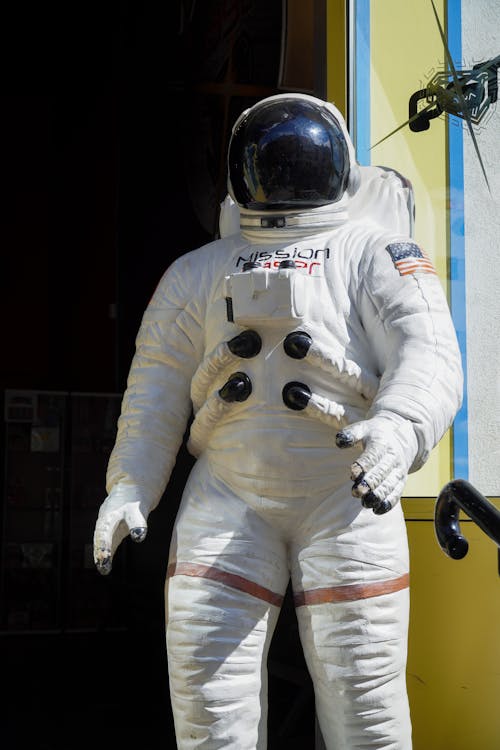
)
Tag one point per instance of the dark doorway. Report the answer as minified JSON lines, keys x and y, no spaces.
{"x":116,"y":118}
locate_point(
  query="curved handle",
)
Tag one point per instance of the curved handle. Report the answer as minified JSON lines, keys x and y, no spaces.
{"x":461,"y":495}
{"x":421,"y":120}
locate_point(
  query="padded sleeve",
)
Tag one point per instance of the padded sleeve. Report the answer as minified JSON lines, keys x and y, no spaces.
{"x":156,"y":405}
{"x":406,"y":315}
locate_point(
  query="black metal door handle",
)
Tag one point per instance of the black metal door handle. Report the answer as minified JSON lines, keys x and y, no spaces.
{"x":461,"y":495}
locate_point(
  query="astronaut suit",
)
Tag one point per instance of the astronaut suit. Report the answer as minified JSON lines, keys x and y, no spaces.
{"x":315,"y":350}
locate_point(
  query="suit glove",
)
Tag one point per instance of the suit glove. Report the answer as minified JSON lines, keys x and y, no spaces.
{"x":389,"y":449}
{"x":122,"y":513}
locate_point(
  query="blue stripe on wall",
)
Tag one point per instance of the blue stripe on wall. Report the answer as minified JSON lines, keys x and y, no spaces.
{"x":457,"y":242}
{"x":362,"y":82}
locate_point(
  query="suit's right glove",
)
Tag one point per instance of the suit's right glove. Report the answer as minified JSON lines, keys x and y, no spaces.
{"x":389,"y":449}
{"x":122,"y":513}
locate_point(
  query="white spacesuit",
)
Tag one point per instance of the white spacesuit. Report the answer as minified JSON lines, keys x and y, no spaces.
{"x":315,"y":350}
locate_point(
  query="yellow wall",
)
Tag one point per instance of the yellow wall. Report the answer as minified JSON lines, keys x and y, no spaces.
{"x":453,"y":673}
{"x":405,"y":48}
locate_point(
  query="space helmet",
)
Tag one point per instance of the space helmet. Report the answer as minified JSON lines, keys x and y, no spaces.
{"x":290,"y":152}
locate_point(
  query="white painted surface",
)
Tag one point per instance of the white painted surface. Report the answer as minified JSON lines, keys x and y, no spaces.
{"x":480,"y":42}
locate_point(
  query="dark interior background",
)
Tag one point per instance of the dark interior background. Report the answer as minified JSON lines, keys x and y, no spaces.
{"x":115,"y":120}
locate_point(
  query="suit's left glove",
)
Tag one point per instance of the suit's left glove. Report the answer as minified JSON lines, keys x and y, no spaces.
{"x":389,"y":449}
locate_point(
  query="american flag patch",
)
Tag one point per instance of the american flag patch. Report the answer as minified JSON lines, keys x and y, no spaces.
{"x":409,"y":258}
